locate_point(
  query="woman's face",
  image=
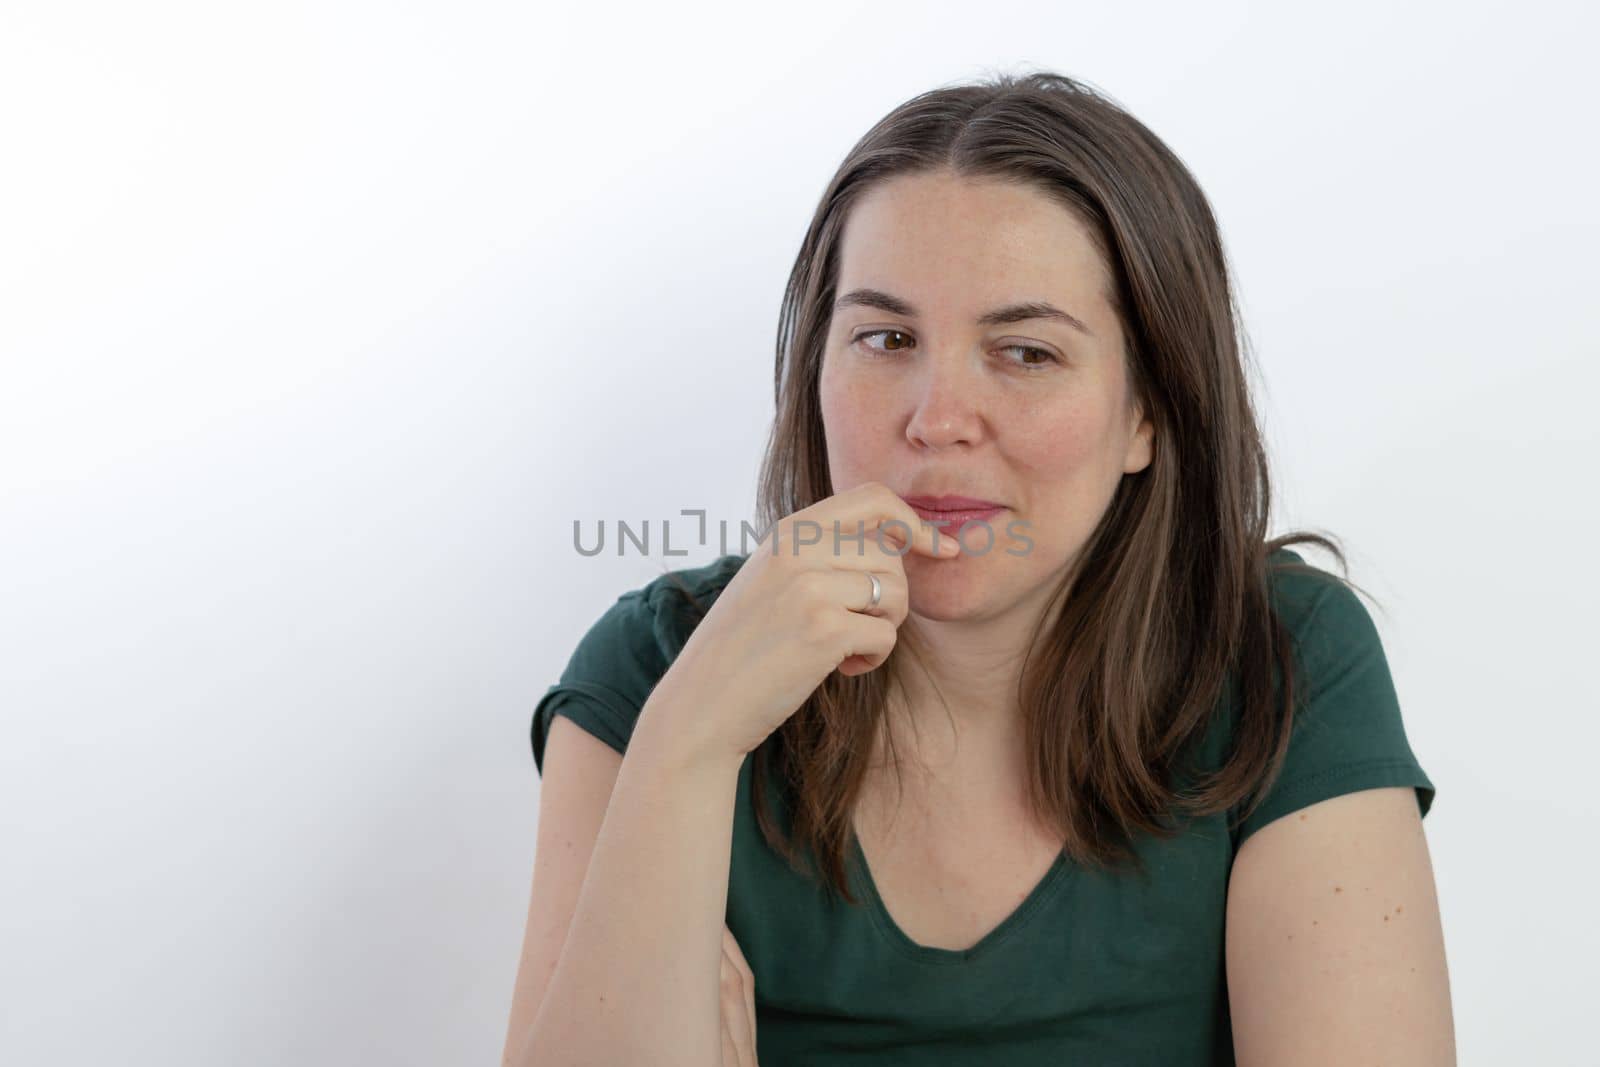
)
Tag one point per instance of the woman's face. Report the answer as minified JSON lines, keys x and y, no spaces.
{"x":931,"y":401}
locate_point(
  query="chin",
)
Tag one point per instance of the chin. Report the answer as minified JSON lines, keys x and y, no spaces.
{"x":951,"y":590}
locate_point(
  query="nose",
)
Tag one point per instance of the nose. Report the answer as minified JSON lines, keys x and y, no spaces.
{"x":949,"y":399}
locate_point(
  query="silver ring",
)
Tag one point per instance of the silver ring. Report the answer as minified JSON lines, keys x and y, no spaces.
{"x":877,"y":592}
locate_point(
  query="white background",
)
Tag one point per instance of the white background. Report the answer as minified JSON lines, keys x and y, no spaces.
{"x":322,"y":322}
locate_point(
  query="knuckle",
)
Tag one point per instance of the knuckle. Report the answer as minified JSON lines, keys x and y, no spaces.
{"x":806,"y":592}
{"x":821,"y":624}
{"x":808,"y":585}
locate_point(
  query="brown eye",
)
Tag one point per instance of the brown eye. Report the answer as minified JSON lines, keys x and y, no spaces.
{"x":880,"y":333}
{"x":1046,"y":358}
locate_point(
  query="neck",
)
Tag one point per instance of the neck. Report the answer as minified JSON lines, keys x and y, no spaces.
{"x":963,"y":674}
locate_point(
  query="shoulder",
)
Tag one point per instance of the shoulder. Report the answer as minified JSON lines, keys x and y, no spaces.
{"x":617,"y":661}
{"x":672,"y":590}
{"x":1327,"y":622}
{"x":1300,"y":591}
{"x":636,"y":639}
{"x":1347,"y":732}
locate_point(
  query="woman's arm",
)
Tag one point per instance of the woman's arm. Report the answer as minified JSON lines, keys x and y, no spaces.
{"x":639,"y":978}
{"x":1335,"y":950}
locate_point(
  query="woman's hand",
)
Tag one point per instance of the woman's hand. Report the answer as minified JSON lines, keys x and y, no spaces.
{"x":795,"y":612}
{"x":738,"y":1006}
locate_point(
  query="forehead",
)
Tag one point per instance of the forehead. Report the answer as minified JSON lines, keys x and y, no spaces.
{"x":961,"y":243}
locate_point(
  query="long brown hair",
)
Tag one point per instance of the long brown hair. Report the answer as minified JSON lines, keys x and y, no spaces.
{"x":1170,"y":593}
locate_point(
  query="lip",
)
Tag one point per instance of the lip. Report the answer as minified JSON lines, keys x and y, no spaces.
{"x":951,"y":523}
{"x":952,"y":503}
{"x":951,"y":513}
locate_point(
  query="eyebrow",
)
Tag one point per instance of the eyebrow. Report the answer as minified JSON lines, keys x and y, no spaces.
{"x":1001,"y":316}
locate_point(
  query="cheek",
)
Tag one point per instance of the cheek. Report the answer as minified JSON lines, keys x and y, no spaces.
{"x":1064,"y":454}
{"x":1059,"y":443}
{"x":851,"y":421}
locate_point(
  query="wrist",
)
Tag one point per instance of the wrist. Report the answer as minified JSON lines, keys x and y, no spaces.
{"x":678,"y":726}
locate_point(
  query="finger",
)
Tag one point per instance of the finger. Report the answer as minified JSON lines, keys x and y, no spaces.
{"x":852,"y":589}
{"x":737,"y":954}
{"x":750,"y":1013}
{"x":868,"y":640}
{"x":877,"y":541}
{"x":735,"y":1021}
{"x":898,"y":519}
{"x":889,"y":524}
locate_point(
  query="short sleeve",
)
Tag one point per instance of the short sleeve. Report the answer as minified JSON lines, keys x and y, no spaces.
{"x":1348,"y":734}
{"x":609,"y":676}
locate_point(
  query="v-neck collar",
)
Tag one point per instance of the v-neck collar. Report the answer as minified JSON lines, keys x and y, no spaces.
{"x":932,"y":954}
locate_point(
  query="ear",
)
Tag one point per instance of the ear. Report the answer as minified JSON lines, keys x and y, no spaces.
{"x":1141,"y":446}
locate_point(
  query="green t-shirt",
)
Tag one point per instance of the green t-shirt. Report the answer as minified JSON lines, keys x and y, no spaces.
{"x":1092,"y":967}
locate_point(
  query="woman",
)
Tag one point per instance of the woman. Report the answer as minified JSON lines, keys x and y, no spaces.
{"x":1129,"y":785}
